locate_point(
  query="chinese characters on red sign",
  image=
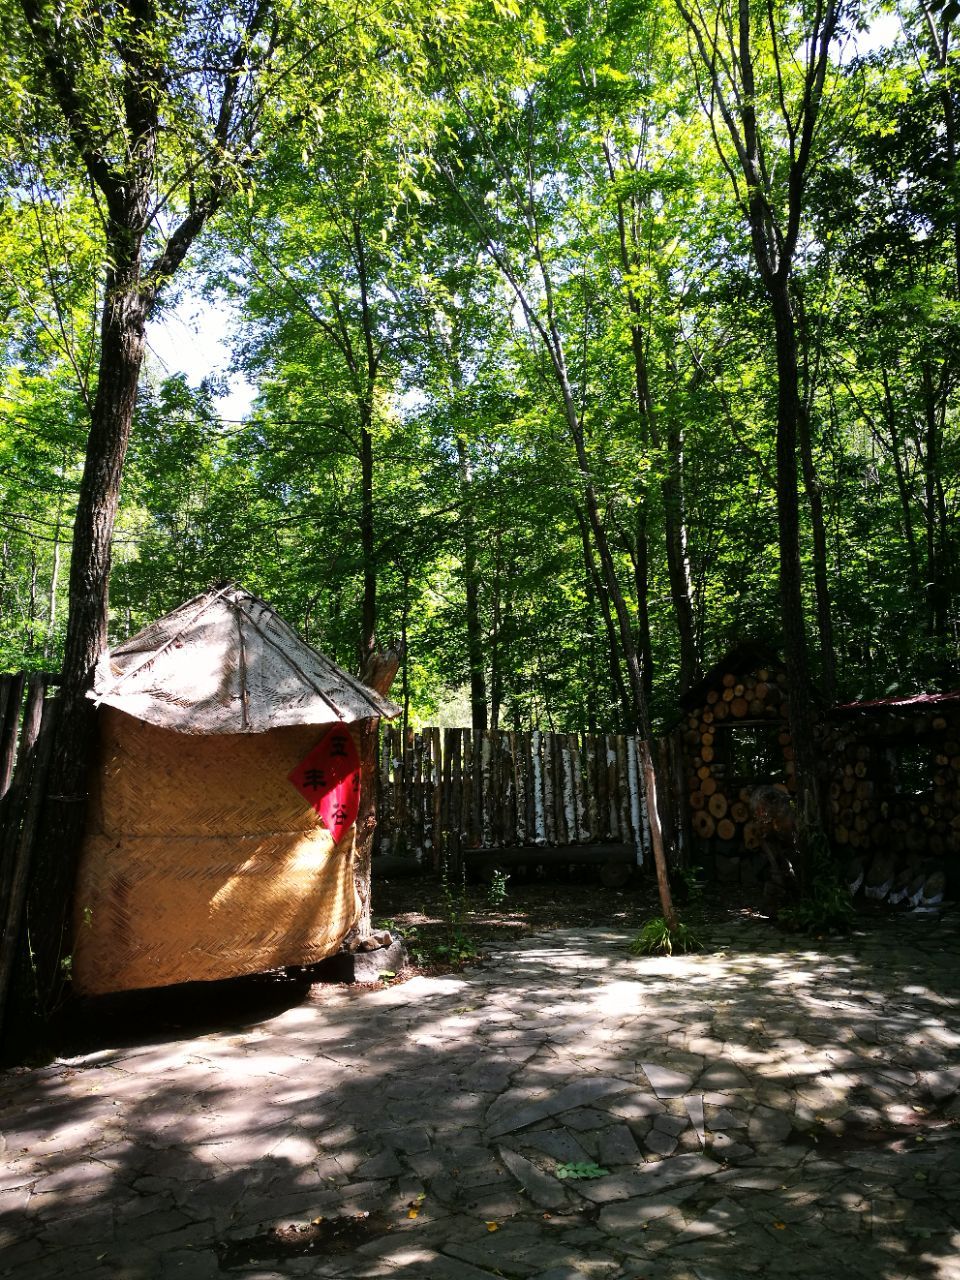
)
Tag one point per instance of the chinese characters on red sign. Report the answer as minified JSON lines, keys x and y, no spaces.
{"x":329,"y":777}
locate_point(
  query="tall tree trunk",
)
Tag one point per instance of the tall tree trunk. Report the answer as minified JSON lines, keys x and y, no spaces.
{"x":404,"y":664}
{"x":638,"y":547}
{"x":50,"y":642}
{"x":814,"y":493}
{"x":678,"y":560}
{"x":938,"y":533}
{"x":128,"y":108}
{"x":627,"y":710}
{"x":940,"y":28}
{"x":378,"y":671}
{"x":903,"y":481}
{"x":49,"y":907}
{"x":802,"y":719}
{"x":727,"y":51}
{"x":496,"y":659}
{"x":32,"y":601}
{"x":366,"y":384}
{"x":4,"y":575}
{"x":589,"y":675}
{"x":671,"y":484}
{"x":930,"y":467}
{"x":366,"y":825}
{"x":368,"y":629}
{"x":478,"y":690}
{"x":644,"y":727}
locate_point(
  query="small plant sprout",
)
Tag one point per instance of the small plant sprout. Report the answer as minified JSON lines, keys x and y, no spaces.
{"x":497,"y":889}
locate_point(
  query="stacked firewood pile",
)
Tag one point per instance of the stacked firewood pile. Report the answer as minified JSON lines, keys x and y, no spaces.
{"x":894,"y":800}
{"x":890,"y":778}
{"x":718,"y":798}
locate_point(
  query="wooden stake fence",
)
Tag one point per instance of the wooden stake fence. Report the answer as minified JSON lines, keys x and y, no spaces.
{"x":444,"y":792}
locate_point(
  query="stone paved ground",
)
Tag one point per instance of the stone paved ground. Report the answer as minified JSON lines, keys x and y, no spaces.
{"x":771,"y":1108}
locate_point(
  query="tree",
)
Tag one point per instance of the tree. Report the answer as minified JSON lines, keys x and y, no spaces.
{"x":450,"y":329}
{"x":638,"y":129}
{"x":888,"y":207}
{"x":49,"y":278}
{"x":315,"y":264}
{"x":763,"y":78}
{"x":164,"y":110}
{"x":510,"y":126}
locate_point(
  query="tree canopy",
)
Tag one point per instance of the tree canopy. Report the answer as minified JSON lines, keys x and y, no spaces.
{"x":511,"y":281}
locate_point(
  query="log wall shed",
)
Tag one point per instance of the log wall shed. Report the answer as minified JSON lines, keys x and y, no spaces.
{"x":894,"y":794}
{"x":203,"y":858}
{"x":736,"y":735}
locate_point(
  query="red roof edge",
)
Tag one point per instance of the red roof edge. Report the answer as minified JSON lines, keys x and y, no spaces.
{"x":904,"y":702}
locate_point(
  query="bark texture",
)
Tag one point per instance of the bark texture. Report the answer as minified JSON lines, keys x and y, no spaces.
{"x":49,"y":902}
{"x":478,"y":689}
{"x":774,"y":219}
{"x":133,"y":57}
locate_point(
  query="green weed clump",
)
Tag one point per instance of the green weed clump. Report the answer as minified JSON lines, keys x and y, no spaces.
{"x":656,"y":938}
{"x":827,"y":909}
{"x":827,"y":906}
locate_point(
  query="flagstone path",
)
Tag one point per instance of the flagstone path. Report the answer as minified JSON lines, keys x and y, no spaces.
{"x":771,"y":1108}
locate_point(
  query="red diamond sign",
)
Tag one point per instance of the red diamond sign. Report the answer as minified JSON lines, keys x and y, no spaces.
{"x":329,"y":777}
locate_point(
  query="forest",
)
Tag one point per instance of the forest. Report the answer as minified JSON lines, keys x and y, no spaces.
{"x":603,"y":425}
{"x":586,"y":338}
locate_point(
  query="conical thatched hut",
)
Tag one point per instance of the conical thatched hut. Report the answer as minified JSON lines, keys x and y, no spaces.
{"x":224,"y":738}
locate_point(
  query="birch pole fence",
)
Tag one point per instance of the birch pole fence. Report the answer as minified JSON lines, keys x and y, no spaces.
{"x":444,"y":793}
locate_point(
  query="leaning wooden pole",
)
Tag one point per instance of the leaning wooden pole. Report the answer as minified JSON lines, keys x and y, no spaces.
{"x":11,"y":696}
{"x":25,"y":731}
{"x":23,"y":816}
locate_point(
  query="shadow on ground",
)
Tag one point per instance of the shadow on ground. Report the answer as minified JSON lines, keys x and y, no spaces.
{"x":823,"y":1078}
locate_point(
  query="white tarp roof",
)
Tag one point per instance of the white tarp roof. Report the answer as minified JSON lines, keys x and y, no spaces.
{"x":224,"y":662}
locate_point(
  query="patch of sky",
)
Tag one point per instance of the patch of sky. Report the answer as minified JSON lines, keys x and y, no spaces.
{"x":884,"y":28}
{"x":193,"y":338}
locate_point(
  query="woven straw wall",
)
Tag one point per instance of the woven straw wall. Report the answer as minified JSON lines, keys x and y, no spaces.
{"x":202,"y":861}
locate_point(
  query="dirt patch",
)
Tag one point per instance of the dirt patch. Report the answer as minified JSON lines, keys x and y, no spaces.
{"x":530,"y":903}
{"x":302,"y":1240}
{"x":432,"y":917}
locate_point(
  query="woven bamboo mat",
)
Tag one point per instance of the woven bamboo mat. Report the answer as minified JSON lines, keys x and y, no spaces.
{"x":203,"y":862}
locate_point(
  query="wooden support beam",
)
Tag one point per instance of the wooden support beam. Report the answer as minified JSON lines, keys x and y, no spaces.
{"x":537,"y":855}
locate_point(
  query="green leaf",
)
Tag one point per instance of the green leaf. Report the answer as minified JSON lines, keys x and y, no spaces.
{"x":580,"y":1170}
